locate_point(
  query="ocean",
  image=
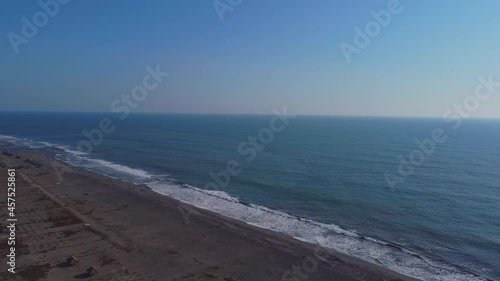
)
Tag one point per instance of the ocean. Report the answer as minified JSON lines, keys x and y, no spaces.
{"x":420,"y":196}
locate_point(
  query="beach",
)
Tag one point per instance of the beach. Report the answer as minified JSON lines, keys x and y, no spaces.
{"x":128,"y":232}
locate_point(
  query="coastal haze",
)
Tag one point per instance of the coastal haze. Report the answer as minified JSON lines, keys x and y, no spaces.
{"x":250,"y":140}
{"x":403,"y":58}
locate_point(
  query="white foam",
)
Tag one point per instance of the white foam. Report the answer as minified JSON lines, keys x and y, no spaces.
{"x":326,"y":235}
{"x":34,"y":145}
{"x":8,"y":138}
{"x":82,"y":156}
{"x":47,"y":143}
{"x":64,"y":148}
{"x":120,"y":168}
{"x":20,"y":141}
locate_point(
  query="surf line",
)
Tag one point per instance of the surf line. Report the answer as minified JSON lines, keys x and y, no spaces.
{"x":248,"y":149}
{"x":95,"y":137}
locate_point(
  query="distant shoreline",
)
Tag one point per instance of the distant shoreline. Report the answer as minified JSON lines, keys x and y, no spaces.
{"x":305,"y":115}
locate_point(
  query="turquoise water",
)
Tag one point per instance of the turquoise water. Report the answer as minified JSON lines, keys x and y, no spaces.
{"x":319,"y":179}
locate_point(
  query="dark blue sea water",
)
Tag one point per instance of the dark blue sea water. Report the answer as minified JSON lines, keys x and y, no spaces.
{"x":319,"y":179}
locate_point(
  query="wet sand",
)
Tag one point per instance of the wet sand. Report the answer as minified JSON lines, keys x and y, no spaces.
{"x":128,"y":232}
{"x":2,"y":143}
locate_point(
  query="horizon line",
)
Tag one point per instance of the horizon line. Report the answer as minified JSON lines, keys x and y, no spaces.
{"x":243,"y":113}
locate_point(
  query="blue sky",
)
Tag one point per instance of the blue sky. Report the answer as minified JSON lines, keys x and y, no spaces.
{"x":264,"y":54}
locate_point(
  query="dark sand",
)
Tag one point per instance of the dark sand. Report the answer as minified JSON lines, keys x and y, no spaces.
{"x":129,"y":232}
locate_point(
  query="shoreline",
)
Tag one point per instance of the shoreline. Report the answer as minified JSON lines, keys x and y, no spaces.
{"x":4,"y":143}
{"x":132,"y":219}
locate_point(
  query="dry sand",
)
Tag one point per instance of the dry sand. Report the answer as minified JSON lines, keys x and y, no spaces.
{"x":128,"y":232}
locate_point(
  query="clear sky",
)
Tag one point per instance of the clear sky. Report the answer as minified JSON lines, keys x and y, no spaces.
{"x":264,"y":54}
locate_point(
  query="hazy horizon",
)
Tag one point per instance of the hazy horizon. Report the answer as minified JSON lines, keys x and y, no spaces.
{"x":252,"y":58}
{"x":248,"y":113}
